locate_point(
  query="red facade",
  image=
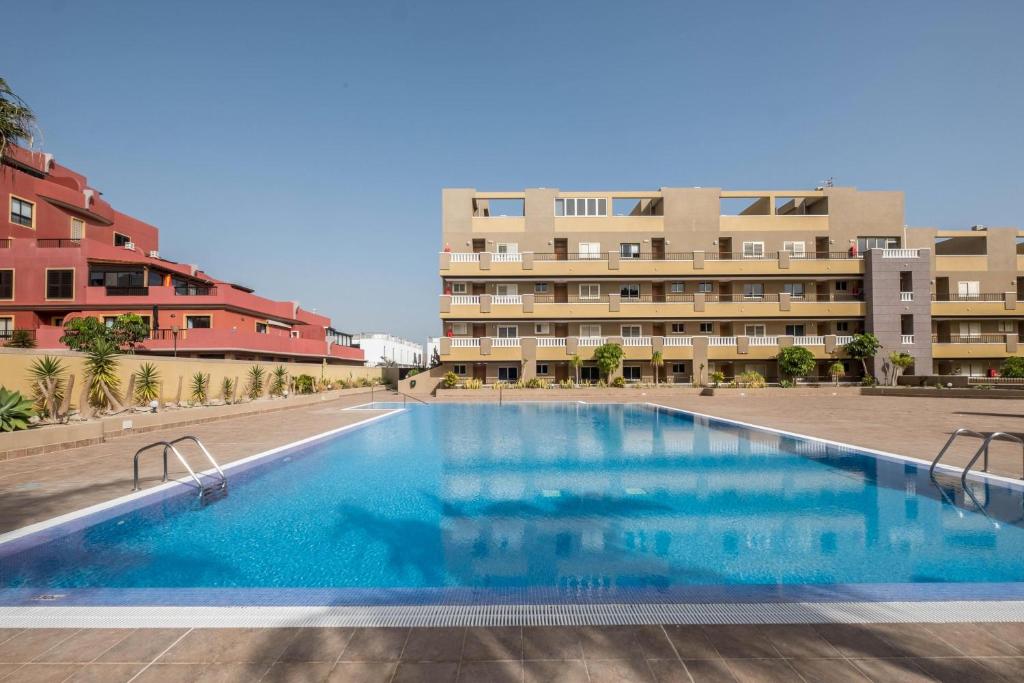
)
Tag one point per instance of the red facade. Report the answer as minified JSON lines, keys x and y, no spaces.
{"x":65,"y":252}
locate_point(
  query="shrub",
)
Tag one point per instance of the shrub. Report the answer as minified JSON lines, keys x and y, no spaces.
{"x":47,"y":375}
{"x":566,"y":384}
{"x":304,"y":384}
{"x":751,"y":379}
{"x":473,"y":383}
{"x":101,"y":365}
{"x":1012,"y":367}
{"x":608,"y":357}
{"x":278,"y":381}
{"x":80,"y":334}
{"x":227,"y":389}
{"x":412,"y":373}
{"x":619,"y":382}
{"x":868,"y":381}
{"x":21,"y":339}
{"x":200,"y":387}
{"x":450,"y":381}
{"x":836,"y":371}
{"x":15,"y":411}
{"x":717,"y":377}
{"x":534,"y":383}
{"x":128,"y":330}
{"x":795,"y":361}
{"x":147,"y":383}
{"x":899,"y":361}
{"x":862,"y":347}
{"x":786,"y":384}
{"x":257,"y":376}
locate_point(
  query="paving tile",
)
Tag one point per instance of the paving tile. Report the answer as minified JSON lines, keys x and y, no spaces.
{"x":974,"y":640}
{"x":654,"y":642}
{"x":609,"y":642}
{"x":957,"y":669}
{"x":426,"y":672}
{"x":8,"y":633}
{"x":231,"y":672}
{"x":170,"y":673}
{"x":854,"y":640}
{"x":142,"y":645}
{"x":85,"y":646}
{"x":9,"y":668}
{"x":247,"y":645}
{"x":502,"y":642}
{"x":105,"y":673}
{"x":762,"y":670}
{"x":44,"y":673}
{"x":899,"y":669}
{"x":434,"y":645}
{"x":507,"y":671}
{"x":914,"y":640}
{"x":316,"y":645}
{"x":555,"y":671}
{"x":619,"y":671}
{"x":1011,"y":632}
{"x":31,"y":643}
{"x":298,"y":672}
{"x":668,"y":671}
{"x":799,"y":640}
{"x":1009,"y":668}
{"x":744,"y":640}
{"x":375,"y":645}
{"x":827,"y":671}
{"x":709,"y":671}
{"x":551,"y":642}
{"x":692,"y":642}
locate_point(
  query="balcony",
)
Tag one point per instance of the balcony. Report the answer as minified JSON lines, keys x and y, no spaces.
{"x":210,"y":340}
{"x":906,"y":296}
{"x":979,"y":304}
{"x":967,"y":346}
{"x":907,"y":339}
{"x":58,"y":243}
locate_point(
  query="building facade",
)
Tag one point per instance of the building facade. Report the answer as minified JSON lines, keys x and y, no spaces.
{"x":716,"y":280}
{"x":65,"y":252}
{"x":386,"y":349}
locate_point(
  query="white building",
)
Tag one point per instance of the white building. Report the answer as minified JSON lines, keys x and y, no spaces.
{"x":380,"y":349}
{"x":433,"y":345}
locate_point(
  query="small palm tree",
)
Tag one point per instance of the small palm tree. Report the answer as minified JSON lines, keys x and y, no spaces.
{"x":256,"y":378}
{"x":147,"y":383}
{"x":101,"y":365}
{"x":279,"y":381}
{"x":200,"y":387}
{"x":575,"y":363}
{"x":17,"y":121}
{"x":227,"y":389}
{"x":21,"y":339}
{"x":47,"y":375}
{"x":836,"y":371}
{"x":657,"y":361}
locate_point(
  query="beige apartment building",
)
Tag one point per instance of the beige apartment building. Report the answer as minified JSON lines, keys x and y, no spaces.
{"x":716,"y":280}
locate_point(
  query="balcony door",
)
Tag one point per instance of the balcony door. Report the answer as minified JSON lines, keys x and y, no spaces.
{"x":658,"y":292}
{"x":480,"y":372}
{"x":561,"y":293}
{"x":658,"y":248}
{"x":479,"y":330}
{"x":561,"y":249}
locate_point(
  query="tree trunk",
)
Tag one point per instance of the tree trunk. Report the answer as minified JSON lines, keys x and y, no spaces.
{"x":177,"y":395}
{"x":234,"y":391}
{"x":129,"y":394}
{"x":65,"y":406}
{"x":84,"y":406}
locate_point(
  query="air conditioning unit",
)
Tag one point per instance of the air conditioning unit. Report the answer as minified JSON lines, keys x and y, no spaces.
{"x":153,"y":253}
{"x":130,"y":246}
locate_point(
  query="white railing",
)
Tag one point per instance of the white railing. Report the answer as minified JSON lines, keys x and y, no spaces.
{"x":809,"y":341}
{"x":899,"y":253}
{"x":906,"y":339}
{"x":843,"y":340}
{"x":763,"y":341}
{"x":505,"y":341}
{"x":550,"y":341}
{"x":464,"y":257}
{"x":721,"y":341}
{"x":906,"y":296}
{"x":465,"y":342}
{"x":678,"y":341}
{"x":591,"y":341}
{"x":465,"y":300}
{"x":636,"y":341}
{"x":506,"y":299}
{"x":506,"y":258}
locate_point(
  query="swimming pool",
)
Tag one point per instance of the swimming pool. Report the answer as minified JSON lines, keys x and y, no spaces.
{"x":553,"y":503}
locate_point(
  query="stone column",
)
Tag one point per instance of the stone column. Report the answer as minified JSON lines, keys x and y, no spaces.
{"x":445,"y":260}
{"x":700,"y":360}
{"x":785,"y":342}
{"x":446,"y":303}
{"x":572,"y":345}
{"x":485,"y":303}
{"x":830,"y":343}
{"x":784,"y":257}
{"x":614,"y":301}
{"x":527,"y":260}
{"x":1011,"y":343}
{"x":698,"y":260}
{"x":743,"y":344}
{"x":1010,"y":301}
{"x":485,"y":260}
{"x":485,"y":346}
{"x":527,"y":303}
{"x":699,"y":302}
{"x":528,"y":349}
{"x":785,"y":301}
{"x":613,"y":260}
{"x":444,"y":348}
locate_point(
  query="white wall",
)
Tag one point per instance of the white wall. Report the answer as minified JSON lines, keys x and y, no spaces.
{"x":402,"y":351}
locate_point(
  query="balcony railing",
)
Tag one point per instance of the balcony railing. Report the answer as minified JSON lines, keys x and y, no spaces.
{"x":969,"y":297}
{"x":465,"y":342}
{"x":506,"y":258}
{"x":969,"y":339}
{"x":571,"y":256}
{"x":6,"y":242}
{"x":906,"y":296}
{"x":763,"y":340}
{"x":58,"y":243}
{"x":499,"y":342}
{"x":506,"y":299}
{"x":678,"y":341}
{"x":465,"y":257}
{"x":570,"y":299}
{"x":550,"y":341}
{"x":906,"y":339}
{"x":474,"y":257}
{"x":191,"y":290}
{"x":6,"y":334}
{"x":809,"y":341}
{"x":636,"y":341}
{"x":465,"y":300}
{"x":721,"y":341}
{"x":127,"y":291}
{"x":592,"y":341}
{"x":900,"y":253}
{"x":844,"y":339}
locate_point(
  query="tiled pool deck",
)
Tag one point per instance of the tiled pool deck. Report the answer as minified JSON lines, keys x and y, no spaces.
{"x":40,"y":487}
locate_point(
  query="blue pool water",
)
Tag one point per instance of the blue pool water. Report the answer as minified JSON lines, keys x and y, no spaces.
{"x":562,"y":501}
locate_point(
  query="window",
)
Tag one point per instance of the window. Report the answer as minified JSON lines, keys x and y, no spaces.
{"x":508,"y":374}
{"x":629,"y":291}
{"x":969,"y":290}
{"x":542,"y":328}
{"x":865,"y":243}
{"x":109,"y":320}
{"x":6,"y":327}
{"x":508,"y":331}
{"x":115,"y":277}
{"x":197,"y":322}
{"x":678,"y":368}
{"x":590,"y":250}
{"x":631,"y":331}
{"x":508,"y":247}
{"x":753,"y":330}
{"x":841,"y":285}
{"x":631,"y":373}
{"x":707,"y":328}
{"x":590,"y":291}
{"x":796,"y":249}
{"x":506,"y":290}
{"x":842,"y":326}
{"x":460,"y":328}
{"x":540,"y":288}
{"x":1007,"y":326}
{"x":262,"y":328}
{"x":459,"y":369}
{"x":23,"y":212}
{"x":77,"y":229}
{"x":590,"y":373}
{"x":753,"y":249}
{"x":460,"y":288}
{"x":794,"y":330}
{"x":794,"y":289}
{"x":121,"y":240}
{"x":678,"y":328}
{"x":753,"y":290}
{"x":705,"y":287}
{"x":629,"y":250}
{"x":581,"y":206}
{"x":60,"y":284}
{"x":542,"y":368}
{"x":6,"y":284}
{"x":677,"y":287}
{"x":590,"y":330}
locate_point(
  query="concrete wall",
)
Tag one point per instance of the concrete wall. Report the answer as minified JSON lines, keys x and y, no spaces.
{"x":885,"y":309}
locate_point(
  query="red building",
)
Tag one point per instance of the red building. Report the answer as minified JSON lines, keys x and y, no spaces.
{"x":65,"y":252}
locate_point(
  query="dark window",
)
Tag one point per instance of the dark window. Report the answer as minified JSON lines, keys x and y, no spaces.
{"x":589,"y":373}
{"x":459,"y":369}
{"x":678,"y":368}
{"x":156,"y":278}
{"x":197,"y":322}
{"x":6,"y":284}
{"x":121,"y":240}
{"x":510,"y":374}
{"x":21,"y":212}
{"x":841,"y":285}
{"x":631,"y":373}
{"x":794,"y":330}
{"x":842,"y":326}
{"x":60,"y":284}
{"x":99,"y":277}
{"x":629,"y":250}
{"x":542,"y":368}
{"x":707,"y":328}
{"x":261,"y":328}
{"x":629,"y":291}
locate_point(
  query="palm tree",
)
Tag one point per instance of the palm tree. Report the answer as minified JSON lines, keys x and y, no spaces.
{"x":657,"y":361}
{"x":16,"y":120}
{"x":101,"y":365}
{"x":575,"y":362}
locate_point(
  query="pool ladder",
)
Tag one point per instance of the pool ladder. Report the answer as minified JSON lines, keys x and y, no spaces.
{"x":987,"y":440}
{"x":207,"y":484}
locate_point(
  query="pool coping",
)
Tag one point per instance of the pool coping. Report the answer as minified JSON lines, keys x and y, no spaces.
{"x":935,"y":602}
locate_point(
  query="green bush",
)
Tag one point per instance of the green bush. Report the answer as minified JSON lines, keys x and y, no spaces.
{"x":200,"y":387}
{"x":1012,"y":367}
{"x":751,"y":379}
{"x":534,"y":383}
{"x":795,"y":361}
{"x":304,"y":384}
{"x":450,"y":381}
{"x":608,"y":357}
{"x":147,"y":383}
{"x":472,"y":383}
{"x":21,"y":339}
{"x":15,"y":411}
{"x":786,"y":384}
{"x":257,"y":378}
{"x":717,"y":377}
{"x":412,"y":373}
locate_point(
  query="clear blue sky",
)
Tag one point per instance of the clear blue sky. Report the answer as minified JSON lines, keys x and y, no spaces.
{"x":301,"y":147}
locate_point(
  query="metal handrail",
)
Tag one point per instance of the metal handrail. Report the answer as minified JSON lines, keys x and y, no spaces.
{"x":994,"y":436}
{"x":209,"y":456}
{"x":405,"y":396}
{"x":169,"y":446}
{"x":135,"y":461}
{"x":959,"y":432}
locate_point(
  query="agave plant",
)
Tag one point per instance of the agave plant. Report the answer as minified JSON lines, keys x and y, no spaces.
{"x":256,"y":379}
{"x":47,"y":375}
{"x":227,"y":389}
{"x":22,"y":339}
{"x":278,"y":381}
{"x":200,"y":387}
{"x":147,"y":383}
{"x":15,"y":411}
{"x":101,"y":365}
